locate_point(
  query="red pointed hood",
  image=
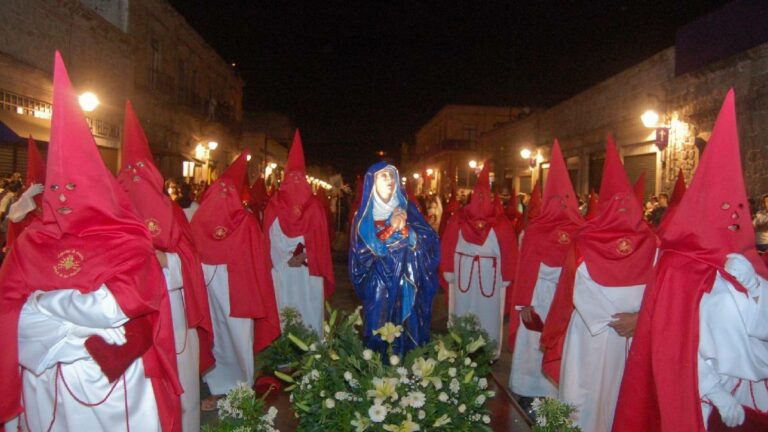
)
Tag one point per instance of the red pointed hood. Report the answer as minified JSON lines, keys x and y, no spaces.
{"x":617,"y":245}
{"x":35,"y":164}
{"x":534,"y":204}
{"x":640,"y":188}
{"x":591,"y":206}
{"x":295,"y":190}
{"x":259,"y":195}
{"x":482,"y":205}
{"x":81,"y":194}
{"x":679,"y":190}
{"x":712,"y":219}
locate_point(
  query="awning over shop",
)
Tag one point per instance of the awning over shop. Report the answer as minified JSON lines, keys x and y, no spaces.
{"x":14,"y":127}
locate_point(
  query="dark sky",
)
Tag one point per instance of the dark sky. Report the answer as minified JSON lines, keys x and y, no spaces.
{"x":361,"y":75}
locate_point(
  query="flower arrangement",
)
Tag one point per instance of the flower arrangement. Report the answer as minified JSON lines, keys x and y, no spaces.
{"x":241,"y":411}
{"x":340,"y":385}
{"x":282,"y":353}
{"x":553,"y":415}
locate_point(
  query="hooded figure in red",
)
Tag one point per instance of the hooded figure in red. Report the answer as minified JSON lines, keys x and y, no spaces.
{"x":513,"y":213}
{"x":479,"y":258}
{"x":298,"y":242}
{"x":701,"y":337}
{"x":450,"y":209}
{"x":84,"y":305}
{"x":259,"y":197}
{"x":29,"y":205}
{"x":171,"y":237}
{"x":240,"y":292}
{"x":598,"y":295}
{"x":546,"y":242}
{"x":534,"y":204}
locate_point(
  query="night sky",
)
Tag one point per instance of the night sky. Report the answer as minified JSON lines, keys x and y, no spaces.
{"x":358,"y":76}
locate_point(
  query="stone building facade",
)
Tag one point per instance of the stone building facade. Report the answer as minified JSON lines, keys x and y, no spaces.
{"x":142,"y":50}
{"x":447,"y":143}
{"x":687,"y":104}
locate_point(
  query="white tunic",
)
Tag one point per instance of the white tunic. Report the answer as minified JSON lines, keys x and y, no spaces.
{"x":526,"y":378}
{"x":294,"y":286}
{"x":189,"y":212}
{"x":733,"y":345}
{"x":593,"y":353}
{"x":187,"y":347}
{"x":60,"y":377}
{"x":476,"y":287}
{"x":233,"y":337}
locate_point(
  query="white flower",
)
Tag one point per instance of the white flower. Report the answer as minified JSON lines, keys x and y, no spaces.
{"x":473,"y":365}
{"x":340,"y":395}
{"x":462,"y":408}
{"x":394,"y":360}
{"x":480,"y":400}
{"x":322,"y":393}
{"x":452,"y":372}
{"x":422,"y":414}
{"x":442,"y":397}
{"x":347,"y":375}
{"x":313,"y":347}
{"x":330,"y":403}
{"x":541,"y":421}
{"x":467,"y":361}
{"x":418,"y":399}
{"x":402,"y":371}
{"x":377,"y":413}
{"x":486,"y":419}
{"x":269,"y":417}
{"x":367,"y":355}
{"x":455,"y":386}
{"x":483,"y":383}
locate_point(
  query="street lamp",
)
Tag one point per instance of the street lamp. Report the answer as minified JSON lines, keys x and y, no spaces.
{"x":430,"y":171}
{"x":416,"y":176}
{"x":212,"y":145}
{"x":650,"y":118}
{"x":528,"y":155}
{"x":473,"y":164}
{"x":88,"y":101}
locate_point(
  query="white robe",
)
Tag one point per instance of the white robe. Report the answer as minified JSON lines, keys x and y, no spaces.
{"x":593,"y":353}
{"x":526,"y":378}
{"x":189,"y":212}
{"x":233,"y":337}
{"x":294,"y":286}
{"x":479,"y":289}
{"x":187,"y":347}
{"x":733,"y":345}
{"x":47,"y":347}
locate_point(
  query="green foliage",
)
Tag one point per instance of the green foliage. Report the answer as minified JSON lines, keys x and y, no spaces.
{"x":553,"y":415}
{"x":283,"y":353}
{"x":241,"y":411}
{"x":339,"y":385}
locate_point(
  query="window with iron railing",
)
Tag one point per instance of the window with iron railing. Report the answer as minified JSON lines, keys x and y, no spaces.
{"x":24,"y":105}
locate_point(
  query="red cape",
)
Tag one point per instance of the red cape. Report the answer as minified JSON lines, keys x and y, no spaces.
{"x":226,"y":233}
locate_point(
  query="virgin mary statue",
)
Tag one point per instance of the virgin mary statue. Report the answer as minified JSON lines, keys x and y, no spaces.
{"x":393,"y":260}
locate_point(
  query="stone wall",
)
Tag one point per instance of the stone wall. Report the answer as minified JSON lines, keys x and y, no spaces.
{"x":688,"y":104}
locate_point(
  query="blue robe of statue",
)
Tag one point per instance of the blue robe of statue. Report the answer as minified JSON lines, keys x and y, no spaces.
{"x":395,"y":279}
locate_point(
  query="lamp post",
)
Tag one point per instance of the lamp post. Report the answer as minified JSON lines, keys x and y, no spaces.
{"x":530,"y":157}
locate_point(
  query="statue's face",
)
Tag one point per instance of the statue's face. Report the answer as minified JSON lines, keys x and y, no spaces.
{"x":384,"y":184}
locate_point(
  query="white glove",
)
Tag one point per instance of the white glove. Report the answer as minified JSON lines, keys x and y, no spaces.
{"x":740,"y":268}
{"x":34,"y":190}
{"x":730,"y":410}
{"x":113,"y":336}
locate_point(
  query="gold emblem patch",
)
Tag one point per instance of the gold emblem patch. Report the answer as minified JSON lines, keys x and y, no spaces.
{"x":563,"y":237}
{"x":69,"y":264}
{"x":219,"y":233}
{"x":153,"y":226}
{"x":624,"y":246}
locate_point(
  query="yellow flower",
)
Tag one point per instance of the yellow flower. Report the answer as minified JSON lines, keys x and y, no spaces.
{"x":383,"y":388}
{"x":406,"y":426}
{"x":423,"y":368}
{"x":389,"y":332}
{"x":360,"y":423}
{"x":443,"y":353}
{"x":475,"y":345}
{"x":442,"y":421}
